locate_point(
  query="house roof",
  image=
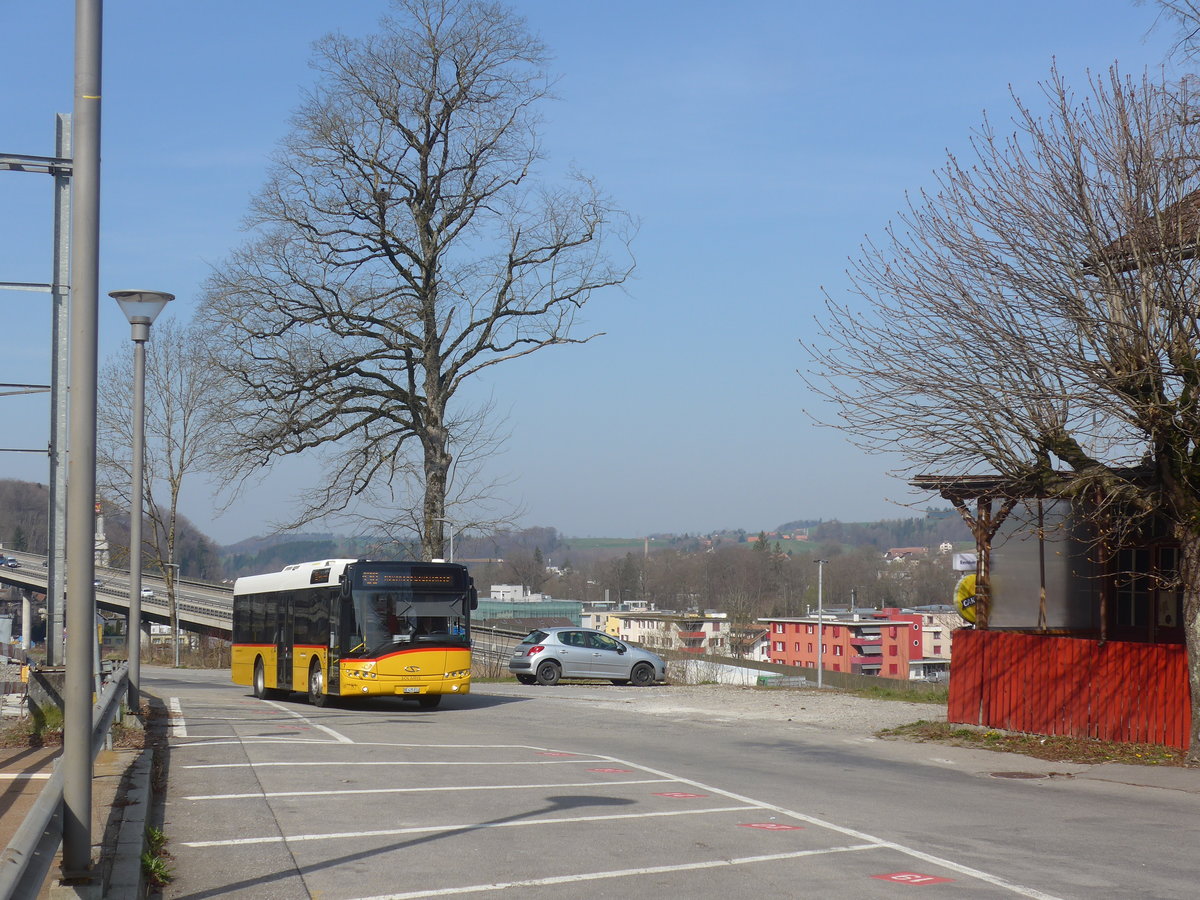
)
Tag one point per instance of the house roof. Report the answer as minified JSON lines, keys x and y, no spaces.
{"x":1170,"y":235}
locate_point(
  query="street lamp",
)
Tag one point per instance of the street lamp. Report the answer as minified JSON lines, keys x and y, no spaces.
{"x":451,"y":524}
{"x":141,"y":308}
{"x":820,"y":623}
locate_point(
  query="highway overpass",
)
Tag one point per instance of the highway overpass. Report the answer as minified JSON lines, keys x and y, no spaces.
{"x":202,"y":607}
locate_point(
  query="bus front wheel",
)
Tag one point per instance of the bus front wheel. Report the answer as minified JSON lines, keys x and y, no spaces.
{"x":316,"y":686}
{"x":429,"y":701}
{"x":260,"y":681}
{"x":261,"y":690}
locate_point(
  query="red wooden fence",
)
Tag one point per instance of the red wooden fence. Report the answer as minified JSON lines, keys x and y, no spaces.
{"x":1115,"y":691}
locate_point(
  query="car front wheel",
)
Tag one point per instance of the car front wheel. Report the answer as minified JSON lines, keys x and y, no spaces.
{"x":642,"y":675}
{"x":548,"y":673}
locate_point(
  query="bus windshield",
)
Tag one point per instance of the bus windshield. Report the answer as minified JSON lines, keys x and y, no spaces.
{"x":389,"y":620}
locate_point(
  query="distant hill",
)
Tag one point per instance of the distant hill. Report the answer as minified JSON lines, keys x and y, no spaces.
{"x":25,"y":525}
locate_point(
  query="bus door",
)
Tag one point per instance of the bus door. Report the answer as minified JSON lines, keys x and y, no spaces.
{"x":284,"y":634}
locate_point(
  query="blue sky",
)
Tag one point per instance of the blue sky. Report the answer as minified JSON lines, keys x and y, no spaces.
{"x":758,"y":144}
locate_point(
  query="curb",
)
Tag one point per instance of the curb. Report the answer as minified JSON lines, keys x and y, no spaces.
{"x":125,"y":876}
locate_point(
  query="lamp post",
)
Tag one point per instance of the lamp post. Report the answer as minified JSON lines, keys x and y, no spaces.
{"x":141,"y":308}
{"x":820,"y":623}
{"x":451,"y":524}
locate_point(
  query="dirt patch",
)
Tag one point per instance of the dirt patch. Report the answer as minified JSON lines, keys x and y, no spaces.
{"x":1054,"y":748}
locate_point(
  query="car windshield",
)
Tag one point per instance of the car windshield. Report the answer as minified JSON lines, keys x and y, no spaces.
{"x":387,"y":619}
{"x":536,"y":637}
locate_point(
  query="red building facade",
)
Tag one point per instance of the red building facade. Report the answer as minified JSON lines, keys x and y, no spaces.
{"x":881,"y":642}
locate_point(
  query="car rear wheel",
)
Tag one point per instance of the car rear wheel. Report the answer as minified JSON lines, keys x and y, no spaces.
{"x":642,"y":674}
{"x":548,"y":673}
{"x":526,"y":679}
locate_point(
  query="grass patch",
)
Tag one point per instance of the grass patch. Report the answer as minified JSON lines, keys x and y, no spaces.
{"x":939,"y":694}
{"x":1055,"y":748}
{"x":154,"y":860}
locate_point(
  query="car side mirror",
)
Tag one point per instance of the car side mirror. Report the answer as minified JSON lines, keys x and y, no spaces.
{"x":621,"y":649}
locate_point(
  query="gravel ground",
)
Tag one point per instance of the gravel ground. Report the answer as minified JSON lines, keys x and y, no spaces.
{"x":826,"y":710}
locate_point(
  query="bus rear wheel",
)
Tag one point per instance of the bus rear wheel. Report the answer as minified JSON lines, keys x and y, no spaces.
{"x":316,"y":686}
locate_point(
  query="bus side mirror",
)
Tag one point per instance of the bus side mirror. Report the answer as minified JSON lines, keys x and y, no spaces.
{"x":474,"y":599}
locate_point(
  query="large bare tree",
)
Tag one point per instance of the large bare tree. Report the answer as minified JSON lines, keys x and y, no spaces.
{"x":1035,"y":315}
{"x":401,"y":247}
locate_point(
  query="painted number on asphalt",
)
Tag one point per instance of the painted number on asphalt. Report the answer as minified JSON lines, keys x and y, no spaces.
{"x":912,"y":878}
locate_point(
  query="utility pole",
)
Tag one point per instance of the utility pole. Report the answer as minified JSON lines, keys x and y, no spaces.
{"x":821,"y":623}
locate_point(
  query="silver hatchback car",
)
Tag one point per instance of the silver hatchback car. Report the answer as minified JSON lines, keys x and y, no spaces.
{"x":549,"y":654}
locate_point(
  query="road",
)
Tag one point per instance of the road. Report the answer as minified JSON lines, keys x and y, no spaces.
{"x":607,"y":791}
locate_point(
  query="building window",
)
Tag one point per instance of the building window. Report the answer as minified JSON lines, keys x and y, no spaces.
{"x":779,"y":628}
{"x":892,"y":650}
{"x":810,"y":650}
{"x":824,"y":647}
{"x":837,"y":651}
{"x":892,"y":669}
{"x":796,"y":647}
{"x":808,"y":629}
{"x":937,"y":649}
{"x":837,"y":631}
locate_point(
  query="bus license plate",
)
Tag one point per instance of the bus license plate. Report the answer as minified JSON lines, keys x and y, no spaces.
{"x":412,"y":690}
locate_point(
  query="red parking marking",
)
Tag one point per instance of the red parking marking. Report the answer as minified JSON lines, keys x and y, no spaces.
{"x":680,"y":795}
{"x":552,"y":753}
{"x":612,"y":771}
{"x":912,"y":878}
{"x":773,"y":826}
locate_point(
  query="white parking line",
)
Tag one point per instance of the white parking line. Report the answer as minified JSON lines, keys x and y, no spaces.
{"x":470,"y":826}
{"x":961,"y":869}
{"x":175,"y":718}
{"x":337,"y":736}
{"x":621,"y":873}
{"x":389,"y":762}
{"x":455,"y":788}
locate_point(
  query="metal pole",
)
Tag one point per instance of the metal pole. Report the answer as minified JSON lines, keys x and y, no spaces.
{"x":820,"y":623}
{"x":451,"y":525}
{"x":171,"y":570}
{"x":81,"y":459}
{"x":60,"y":298}
{"x":133,"y":627}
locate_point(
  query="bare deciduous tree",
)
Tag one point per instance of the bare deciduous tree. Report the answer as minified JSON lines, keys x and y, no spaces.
{"x":186,"y":397}
{"x":401,"y":249}
{"x":1035,"y":315}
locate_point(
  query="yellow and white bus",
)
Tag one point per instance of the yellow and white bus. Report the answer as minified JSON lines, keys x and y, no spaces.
{"x":341,"y":628}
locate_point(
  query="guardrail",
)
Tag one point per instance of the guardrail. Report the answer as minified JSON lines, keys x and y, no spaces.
{"x":27,"y":859}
